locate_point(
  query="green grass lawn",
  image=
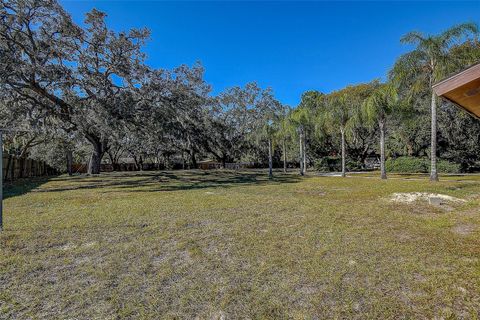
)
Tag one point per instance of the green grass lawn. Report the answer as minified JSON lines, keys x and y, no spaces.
{"x":212,"y":245}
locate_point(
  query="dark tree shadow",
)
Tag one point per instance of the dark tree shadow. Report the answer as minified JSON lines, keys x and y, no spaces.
{"x":157,"y":181}
{"x":22,"y":186}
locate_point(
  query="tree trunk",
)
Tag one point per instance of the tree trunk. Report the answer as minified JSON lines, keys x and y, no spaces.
{"x":433,"y":168}
{"x":270,"y":160}
{"x":96,"y":158}
{"x":302,"y":172}
{"x":95,"y":161}
{"x":194,"y":160}
{"x":69,"y":162}
{"x":409,"y":149}
{"x":157,"y":162}
{"x":304,"y":154}
{"x":364,"y":155}
{"x":114,"y":160}
{"x":21,"y":161}
{"x":140,"y":163}
{"x":383,"y":172}
{"x":99,"y":149}
{"x":284,"y":156}
{"x":166,"y":161}
{"x":9,"y":163}
{"x":12,"y":169}
{"x":30,"y":143}
{"x":342,"y":131}
{"x":224,"y":162}
{"x":137,"y":164}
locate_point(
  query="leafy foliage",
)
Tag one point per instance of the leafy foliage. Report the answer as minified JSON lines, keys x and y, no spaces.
{"x":419,"y":165}
{"x":88,"y":89}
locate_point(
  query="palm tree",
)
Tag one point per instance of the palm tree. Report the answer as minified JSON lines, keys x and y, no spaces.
{"x":339,"y":115}
{"x":268,"y":111}
{"x":428,"y":63}
{"x":300,"y":119}
{"x":270,"y":131}
{"x":377,"y":108}
{"x":284,"y":134}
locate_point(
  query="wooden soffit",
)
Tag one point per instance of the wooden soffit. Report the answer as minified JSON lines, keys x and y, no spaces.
{"x":463,"y":89}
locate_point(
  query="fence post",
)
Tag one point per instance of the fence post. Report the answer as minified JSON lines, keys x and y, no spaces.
{"x":14,"y":164}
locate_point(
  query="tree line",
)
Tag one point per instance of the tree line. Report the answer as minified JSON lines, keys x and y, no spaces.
{"x":86,"y":92}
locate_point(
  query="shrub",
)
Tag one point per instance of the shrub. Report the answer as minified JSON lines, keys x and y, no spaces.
{"x":407,"y":165}
{"x":353,"y":165}
{"x":419,"y":165}
{"x":445,"y":166}
{"x":328,"y":164}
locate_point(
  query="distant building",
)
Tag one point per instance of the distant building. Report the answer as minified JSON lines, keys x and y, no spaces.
{"x":209,"y":164}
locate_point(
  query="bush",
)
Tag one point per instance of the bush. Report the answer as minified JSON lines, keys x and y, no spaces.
{"x":419,"y":165}
{"x":353,"y":165}
{"x":445,"y":166}
{"x":328,"y":164}
{"x":407,"y":165}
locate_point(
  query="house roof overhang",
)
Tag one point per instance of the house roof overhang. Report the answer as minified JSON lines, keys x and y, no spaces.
{"x":463,"y":89}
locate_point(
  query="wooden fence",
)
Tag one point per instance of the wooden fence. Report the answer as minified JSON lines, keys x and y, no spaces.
{"x":209,"y":165}
{"x":106,"y":167}
{"x":15,"y":168}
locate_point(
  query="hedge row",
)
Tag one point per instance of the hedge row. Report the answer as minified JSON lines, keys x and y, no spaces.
{"x":401,"y":164}
{"x":419,"y":165}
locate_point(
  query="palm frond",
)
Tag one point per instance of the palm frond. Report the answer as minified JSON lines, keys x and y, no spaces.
{"x":409,"y":66}
{"x":413,"y":37}
{"x":457,"y":32}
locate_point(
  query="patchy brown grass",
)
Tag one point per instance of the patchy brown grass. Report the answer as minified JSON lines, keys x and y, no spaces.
{"x":216,"y":244}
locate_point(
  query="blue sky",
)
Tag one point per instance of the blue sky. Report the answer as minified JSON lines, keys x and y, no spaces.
{"x":288,"y":46}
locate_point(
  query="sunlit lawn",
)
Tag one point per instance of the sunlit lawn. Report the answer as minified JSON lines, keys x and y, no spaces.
{"x":185,"y":244}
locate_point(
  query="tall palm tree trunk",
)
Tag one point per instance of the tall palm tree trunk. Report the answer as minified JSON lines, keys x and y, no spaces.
{"x":284,"y":156}
{"x":301,"y":154}
{"x":383,"y":172}
{"x":270,"y":160}
{"x":433,"y":156}
{"x":304,"y":154}
{"x":342,"y":131}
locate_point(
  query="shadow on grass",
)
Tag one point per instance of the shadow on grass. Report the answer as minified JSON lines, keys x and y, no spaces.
{"x":22,"y":186}
{"x":154,"y":181}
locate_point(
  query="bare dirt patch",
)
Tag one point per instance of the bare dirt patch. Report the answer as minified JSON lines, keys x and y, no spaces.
{"x":463,"y":229}
{"x":410,"y":197}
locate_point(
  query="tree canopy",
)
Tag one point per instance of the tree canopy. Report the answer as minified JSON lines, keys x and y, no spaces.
{"x":88,"y":90}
